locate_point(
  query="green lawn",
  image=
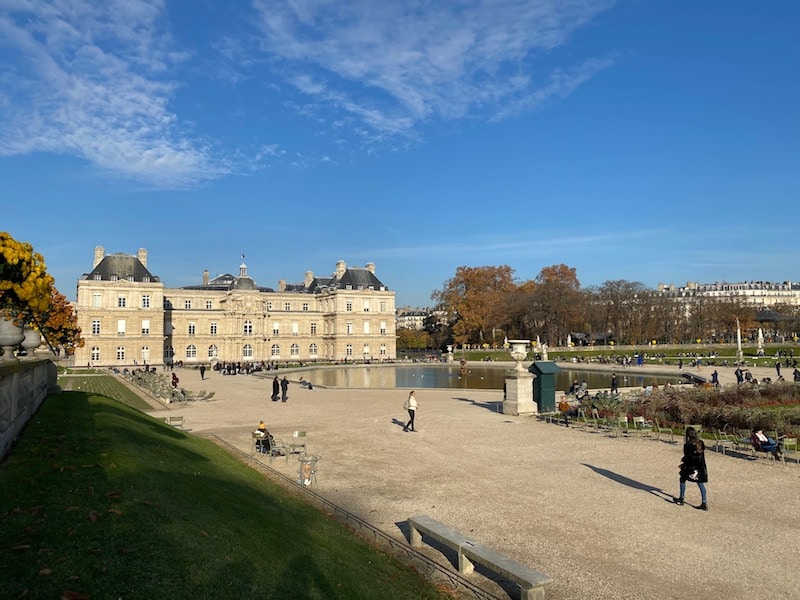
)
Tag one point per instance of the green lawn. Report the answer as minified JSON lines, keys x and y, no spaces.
{"x":98,"y":500}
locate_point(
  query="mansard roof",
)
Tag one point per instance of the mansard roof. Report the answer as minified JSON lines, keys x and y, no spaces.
{"x":354,"y":278}
{"x":121,"y":266}
{"x":227,"y":282}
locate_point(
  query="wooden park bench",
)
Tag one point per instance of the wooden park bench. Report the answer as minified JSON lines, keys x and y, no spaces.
{"x":532,"y":583}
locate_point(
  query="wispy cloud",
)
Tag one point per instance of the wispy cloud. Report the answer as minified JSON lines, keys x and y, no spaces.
{"x":393,"y":66}
{"x":93,"y":79}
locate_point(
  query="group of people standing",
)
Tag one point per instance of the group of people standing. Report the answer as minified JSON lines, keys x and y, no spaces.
{"x":280,"y":389}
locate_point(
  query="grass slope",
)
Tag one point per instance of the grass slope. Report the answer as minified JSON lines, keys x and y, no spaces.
{"x":98,"y":500}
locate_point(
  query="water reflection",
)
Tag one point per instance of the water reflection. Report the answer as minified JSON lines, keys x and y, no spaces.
{"x":451,"y":376}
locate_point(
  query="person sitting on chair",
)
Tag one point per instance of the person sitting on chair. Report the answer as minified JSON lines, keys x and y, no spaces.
{"x":762,"y":443}
{"x":261,"y":431}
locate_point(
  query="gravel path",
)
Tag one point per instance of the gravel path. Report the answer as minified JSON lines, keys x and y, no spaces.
{"x":593,"y":512}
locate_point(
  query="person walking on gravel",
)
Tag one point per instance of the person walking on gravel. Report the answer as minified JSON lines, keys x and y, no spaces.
{"x":411,"y":406}
{"x":693,"y":467}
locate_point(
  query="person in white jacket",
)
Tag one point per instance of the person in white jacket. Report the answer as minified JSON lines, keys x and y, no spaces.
{"x":411,"y":407}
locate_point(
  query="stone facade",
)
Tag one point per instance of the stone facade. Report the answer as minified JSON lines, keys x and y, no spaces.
{"x":128,"y":317}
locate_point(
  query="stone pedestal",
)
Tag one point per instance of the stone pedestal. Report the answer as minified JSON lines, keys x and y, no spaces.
{"x":519,"y":394}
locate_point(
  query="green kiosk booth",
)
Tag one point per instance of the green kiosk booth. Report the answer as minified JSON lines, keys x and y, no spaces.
{"x":544,"y":384}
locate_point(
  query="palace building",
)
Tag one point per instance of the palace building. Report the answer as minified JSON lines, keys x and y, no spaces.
{"x":128,"y":317}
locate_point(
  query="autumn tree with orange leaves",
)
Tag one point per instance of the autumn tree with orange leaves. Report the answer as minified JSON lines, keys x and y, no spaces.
{"x":59,"y":324}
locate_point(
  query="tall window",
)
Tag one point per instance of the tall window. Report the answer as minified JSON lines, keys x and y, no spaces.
{"x":313,"y":329}
{"x":294,"y":351}
{"x":349,"y":328}
{"x":248,"y":328}
{"x":366,"y":305}
{"x":97,"y":300}
{"x":383,"y":305}
{"x":349,"y":350}
{"x":247,"y":351}
{"x":295,"y":328}
{"x":305,"y":306}
{"x":192,"y":328}
{"x":312,"y":350}
{"x":120,"y":301}
{"x":213,"y":351}
{"x":287,"y":306}
{"x":145,"y":300}
{"x":276,"y":328}
{"x":383,"y":349}
{"x":95,"y":353}
{"x":349,"y":306}
{"x":120,"y":326}
{"x":366,"y":327}
{"x":209,"y":304}
{"x":96,"y":327}
{"x":213,"y":328}
{"x":383,"y":327}
{"x":365,"y":350}
{"x":120,"y":352}
{"x":191,"y":351}
{"x":145,"y":326}
{"x":145,"y":354}
{"x":269,"y":305}
{"x":275,"y":351}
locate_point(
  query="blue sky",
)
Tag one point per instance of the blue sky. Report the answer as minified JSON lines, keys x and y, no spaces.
{"x":639,"y":140}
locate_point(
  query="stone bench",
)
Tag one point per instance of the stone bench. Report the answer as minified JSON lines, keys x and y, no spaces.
{"x":532,"y":583}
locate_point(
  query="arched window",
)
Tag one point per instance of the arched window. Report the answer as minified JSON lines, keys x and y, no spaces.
{"x":95,"y":353}
{"x":294,"y":351}
{"x":191,"y":351}
{"x":213,"y":351}
{"x":247,"y":351}
{"x":312,"y":350}
{"x":275,"y":351}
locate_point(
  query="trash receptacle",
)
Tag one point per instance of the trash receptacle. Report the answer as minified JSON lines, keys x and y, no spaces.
{"x":307,"y":473}
{"x":544,"y":384}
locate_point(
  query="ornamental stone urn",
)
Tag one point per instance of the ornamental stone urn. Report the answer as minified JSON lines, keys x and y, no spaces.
{"x":519,"y":352}
{"x":519,"y":383}
{"x":31,"y":341}
{"x":11,"y":335}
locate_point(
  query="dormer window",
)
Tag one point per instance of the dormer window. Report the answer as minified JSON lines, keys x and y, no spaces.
{"x":98,"y":277}
{"x":114,"y":278}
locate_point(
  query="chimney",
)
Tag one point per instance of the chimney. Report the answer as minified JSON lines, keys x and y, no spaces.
{"x":205,"y":277}
{"x":341,"y":267}
{"x":142,"y":256}
{"x":99,"y":254}
{"x":309,"y":278}
{"x":370,"y":266}
{"x":282,"y":285}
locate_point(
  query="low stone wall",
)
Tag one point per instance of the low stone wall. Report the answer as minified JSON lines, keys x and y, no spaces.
{"x":23,"y":387}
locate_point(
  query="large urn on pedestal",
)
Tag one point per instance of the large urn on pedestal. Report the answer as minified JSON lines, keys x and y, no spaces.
{"x":519,"y":383}
{"x":11,"y":335}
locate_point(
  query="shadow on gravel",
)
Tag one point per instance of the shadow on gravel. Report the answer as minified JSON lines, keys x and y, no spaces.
{"x":637,"y":485}
{"x":495,"y":407}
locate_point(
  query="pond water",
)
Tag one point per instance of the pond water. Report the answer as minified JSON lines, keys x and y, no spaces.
{"x":451,"y":376}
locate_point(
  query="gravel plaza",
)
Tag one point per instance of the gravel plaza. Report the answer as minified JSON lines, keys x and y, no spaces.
{"x":593,"y":512}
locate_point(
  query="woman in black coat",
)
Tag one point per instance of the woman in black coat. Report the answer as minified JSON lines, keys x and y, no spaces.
{"x":693,"y":467}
